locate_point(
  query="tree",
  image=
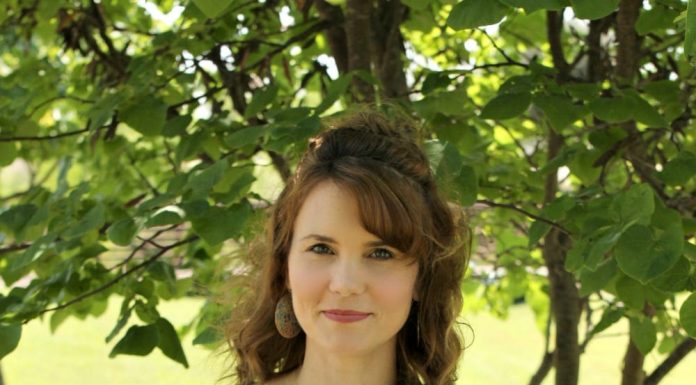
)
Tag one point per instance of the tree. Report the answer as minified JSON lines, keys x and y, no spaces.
{"x":565,"y":126}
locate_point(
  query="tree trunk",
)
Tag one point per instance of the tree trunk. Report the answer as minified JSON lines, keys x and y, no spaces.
{"x":628,"y":51}
{"x":563,"y":291}
{"x":388,"y":48}
{"x":358,"y":37}
{"x":336,"y":34}
{"x":632,"y":373}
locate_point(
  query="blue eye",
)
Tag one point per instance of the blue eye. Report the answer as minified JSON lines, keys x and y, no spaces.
{"x":320,"y":248}
{"x":382,"y":254}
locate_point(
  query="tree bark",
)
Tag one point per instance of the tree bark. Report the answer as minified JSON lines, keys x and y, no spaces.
{"x":358,"y":38}
{"x":544,"y":369}
{"x":563,"y":293}
{"x":388,"y":48}
{"x":554,"y":27}
{"x":336,"y":34}
{"x":632,"y":372}
{"x":628,"y":50}
{"x":598,"y":65}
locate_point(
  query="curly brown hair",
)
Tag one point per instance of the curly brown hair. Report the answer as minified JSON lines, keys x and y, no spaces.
{"x":380,"y":160}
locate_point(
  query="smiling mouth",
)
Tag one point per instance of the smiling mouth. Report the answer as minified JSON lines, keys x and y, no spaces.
{"x":345,"y":316}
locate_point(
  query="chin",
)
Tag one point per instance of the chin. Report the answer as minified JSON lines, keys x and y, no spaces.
{"x":349,"y":343}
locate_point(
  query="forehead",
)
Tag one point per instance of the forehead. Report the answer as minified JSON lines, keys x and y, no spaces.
{"x":329,"y":208}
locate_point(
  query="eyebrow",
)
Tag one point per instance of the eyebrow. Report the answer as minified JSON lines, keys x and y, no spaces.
{"x":324,"y":238}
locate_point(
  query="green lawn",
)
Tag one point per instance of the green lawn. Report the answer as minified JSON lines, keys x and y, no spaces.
{"x":503,"y":353}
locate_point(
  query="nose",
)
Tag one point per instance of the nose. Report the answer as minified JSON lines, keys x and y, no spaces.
{"x":347,"y":277}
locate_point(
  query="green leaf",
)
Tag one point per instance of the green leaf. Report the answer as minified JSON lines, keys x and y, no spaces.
{"x":594,"y":9}
{"x":644,"y":254}
{"x":560,"y":110}
{"x":245,"y":136}
{"x":103,"y":109}
{"x":261,"y":99}
{"x":162,"y":271}
{"x":506,"y":106}
{"x":217,"y":224}
{"x":206,"y":337}
{"x":434,"y":81}
{"x":9,"y":338}
{"x":169,"y":342}
{"x":94,"y":219}
{"x":476,"y":13}
{"x":8,"y":153}
{"x":599,"y":247}
{"x":124,"y":316}
{"x":146,"y":116}
{"x":690,"y":39}
{"x":467,"y":185}
{"x":643,"y":334}
{"x":655,"y":19}
{"x":176,"y":125}
{"x":592,"y":281}
{"x":212,"y":8}
{"x":530,"y":6}
{"x":609,"y":317}
{"x":122,"y":232}
{"x":680,"y":169}
{"x":146,"y":312}
{"x":537,"y":230}
{"x":138,"y":341}
{"x":675,"y":279}
{"x":201,"y":182}
{"x":168,"y":215}
{"x":337,"y":88}
{"x":637,"y":204}
{"x":16,"y":218}
{"x":612,"y":110}
{"x":631,"y":292}
{"x":687,"y":315}
{"x":644,"y":112}
{"x":417,"y":4}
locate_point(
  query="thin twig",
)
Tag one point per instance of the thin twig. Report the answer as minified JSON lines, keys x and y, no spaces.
{"x":114,"y":281}
{"x":15,"y":247}
{"x":525,"y":212}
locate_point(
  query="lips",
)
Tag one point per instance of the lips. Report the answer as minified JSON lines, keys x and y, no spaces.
{"x":345,"y":316}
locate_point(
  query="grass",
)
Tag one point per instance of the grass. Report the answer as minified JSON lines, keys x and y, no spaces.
{"x":502,"y":353}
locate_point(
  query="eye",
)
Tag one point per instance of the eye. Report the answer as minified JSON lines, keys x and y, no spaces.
{"x":320,"y":248}
{"x":382,"y":254}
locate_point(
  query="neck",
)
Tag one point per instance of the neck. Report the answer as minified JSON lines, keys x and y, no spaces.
{"x":374,"y":368}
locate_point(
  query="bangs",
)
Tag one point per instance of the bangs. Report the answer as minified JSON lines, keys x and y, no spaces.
{"x":391,"y":207}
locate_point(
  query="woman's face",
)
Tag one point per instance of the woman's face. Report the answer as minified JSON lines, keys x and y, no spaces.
{"x":351,"y":292}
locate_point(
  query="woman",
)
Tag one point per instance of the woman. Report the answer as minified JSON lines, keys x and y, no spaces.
{"x":359,"y":280}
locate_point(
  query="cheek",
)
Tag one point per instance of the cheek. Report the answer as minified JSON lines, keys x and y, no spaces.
{"x":396,"y":290}
{"x":304,"y":280}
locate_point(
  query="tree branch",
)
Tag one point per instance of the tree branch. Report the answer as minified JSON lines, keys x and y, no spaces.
{"x":525,"y":212}
{"x":677,"y":354}
{"x":114,"y":281}
{"x":554,"y":27}
{"x":15,"y":247}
